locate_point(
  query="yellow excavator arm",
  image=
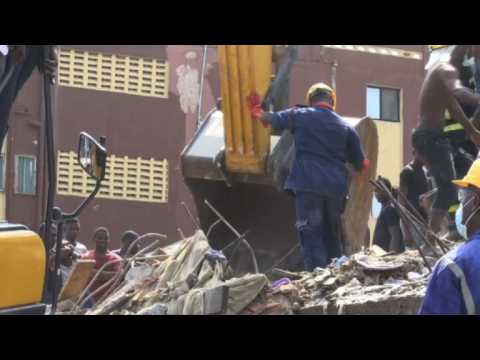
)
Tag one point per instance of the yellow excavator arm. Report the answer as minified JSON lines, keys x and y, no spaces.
{"x":244,"y":69}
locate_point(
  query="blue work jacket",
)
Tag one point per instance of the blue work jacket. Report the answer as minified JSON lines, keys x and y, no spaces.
{"x":324,"y":143}
{"x":444,"y":293}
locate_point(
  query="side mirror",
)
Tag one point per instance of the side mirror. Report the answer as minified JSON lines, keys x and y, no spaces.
{"x":92,"y":156}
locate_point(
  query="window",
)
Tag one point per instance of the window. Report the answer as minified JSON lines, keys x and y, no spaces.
{"x":383,"y":103}
{"x":26,"y":175}
{"x":2,"y":172}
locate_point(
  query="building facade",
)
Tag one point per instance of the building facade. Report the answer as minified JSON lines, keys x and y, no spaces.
{"x":144,"y":99}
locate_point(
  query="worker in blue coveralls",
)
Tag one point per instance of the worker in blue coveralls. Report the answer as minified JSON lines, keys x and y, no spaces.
{"x":454,"y":287}
{"x":324,"y":144}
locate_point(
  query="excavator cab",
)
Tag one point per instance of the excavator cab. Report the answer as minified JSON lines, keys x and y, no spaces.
{"x":24,"y":255}
{"x":240,"y":167}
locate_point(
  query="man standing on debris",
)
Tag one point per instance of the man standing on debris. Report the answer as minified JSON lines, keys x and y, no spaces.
{"x":463,"y":149}
{"x":387,"y":232}
{"x":72,"y":230}
{"x":442,"y":91}
{"x":102,"y":255}
{"x":454,"y":288}
{"x":413,"y":183}
{"x":324,"y":143}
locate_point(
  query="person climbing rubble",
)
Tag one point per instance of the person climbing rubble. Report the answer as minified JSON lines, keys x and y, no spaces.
{"x":441,"y":91}
{"x":324,"y":143}
{"x":454,"y":288}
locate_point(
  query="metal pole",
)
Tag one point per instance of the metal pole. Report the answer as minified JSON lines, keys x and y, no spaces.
{"x":191,"y":215}
{"x":202,"y":79}
{"x":237,"y":234}
{"x":52,"y":177}
{"x":57,"y":273}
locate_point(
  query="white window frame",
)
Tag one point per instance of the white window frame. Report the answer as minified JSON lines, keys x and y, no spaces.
{"x":34,"y":158}
{"x":400,"y":101}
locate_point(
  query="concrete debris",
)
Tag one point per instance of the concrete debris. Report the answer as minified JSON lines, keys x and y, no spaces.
{"x":193,"y":279}
{"x":157,"y":309}
{"x":366,"y":283}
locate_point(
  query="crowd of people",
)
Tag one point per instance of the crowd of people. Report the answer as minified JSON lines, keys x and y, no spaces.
{"x":73,"y":250}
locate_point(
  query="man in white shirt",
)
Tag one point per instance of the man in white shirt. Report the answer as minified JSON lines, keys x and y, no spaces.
{"x":72,"y":230}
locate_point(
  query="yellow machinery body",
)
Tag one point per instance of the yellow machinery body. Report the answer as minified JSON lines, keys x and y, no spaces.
{"x":22,"y":268}
{"x":244,"y":69}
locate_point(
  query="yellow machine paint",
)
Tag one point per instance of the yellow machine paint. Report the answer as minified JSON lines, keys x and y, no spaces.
{"x":436,"y":47}
{"x":22,"y":269}
{"x":244,"y":69}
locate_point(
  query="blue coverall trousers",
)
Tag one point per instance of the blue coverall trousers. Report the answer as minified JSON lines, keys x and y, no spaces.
{"x":319,"y":228}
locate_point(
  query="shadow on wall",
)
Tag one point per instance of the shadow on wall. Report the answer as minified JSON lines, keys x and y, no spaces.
{"x":213,"y":79}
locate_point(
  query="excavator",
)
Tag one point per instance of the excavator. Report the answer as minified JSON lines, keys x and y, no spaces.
{"x":235,"y":168}
{"x":25,"y":256}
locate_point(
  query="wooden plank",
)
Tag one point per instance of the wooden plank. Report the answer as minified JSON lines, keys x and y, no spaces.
{"x":77,"y":280}
{"x":359,"y":206}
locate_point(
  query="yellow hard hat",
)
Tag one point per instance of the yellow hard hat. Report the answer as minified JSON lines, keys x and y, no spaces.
{"x":472,"y":178}
{"x":323,"y":88}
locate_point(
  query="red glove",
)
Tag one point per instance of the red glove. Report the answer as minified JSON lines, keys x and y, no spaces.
{"x":255,"y":106}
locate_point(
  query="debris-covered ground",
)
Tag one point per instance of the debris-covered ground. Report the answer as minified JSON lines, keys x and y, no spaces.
{"x":190,"y":278}
{"x":366,"y":283}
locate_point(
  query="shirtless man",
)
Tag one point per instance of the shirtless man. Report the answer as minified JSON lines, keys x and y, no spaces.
{"x":442,"y":90}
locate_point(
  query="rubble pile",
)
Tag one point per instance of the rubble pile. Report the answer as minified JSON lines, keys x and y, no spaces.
{"x":190,"y":278}
{"x":366,"y":283}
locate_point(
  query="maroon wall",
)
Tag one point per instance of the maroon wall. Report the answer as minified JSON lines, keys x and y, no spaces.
{"x":357,"y":70}
{"x":135,"y":126}
{"x":25,"y":138}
